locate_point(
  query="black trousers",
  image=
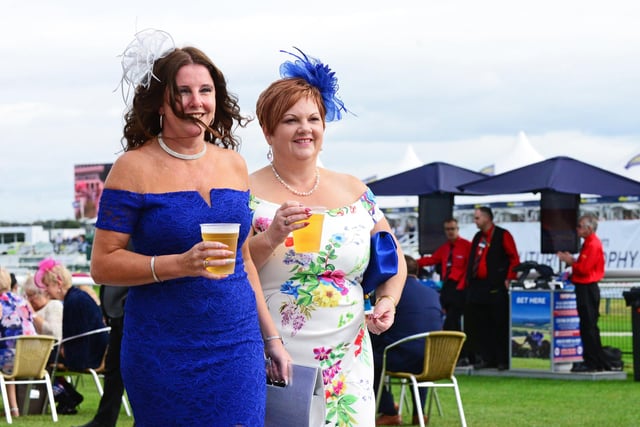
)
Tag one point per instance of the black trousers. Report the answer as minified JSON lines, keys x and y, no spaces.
{"x":452,"y":302}
{"x":109,"y":407}
{"x":588,"y":305}
{"x":486,"y":323}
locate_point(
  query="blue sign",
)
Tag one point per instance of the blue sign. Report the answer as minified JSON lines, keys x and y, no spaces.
{"x":567,"y":345}
{"x":531,"y":329}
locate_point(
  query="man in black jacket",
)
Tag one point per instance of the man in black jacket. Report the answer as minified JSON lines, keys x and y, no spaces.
{"x":491,"y":260}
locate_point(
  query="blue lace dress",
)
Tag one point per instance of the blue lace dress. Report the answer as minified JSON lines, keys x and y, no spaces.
{"x":192,"y":351}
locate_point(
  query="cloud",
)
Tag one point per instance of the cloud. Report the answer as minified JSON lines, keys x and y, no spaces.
{"x":457,"y":80}
{"x":26,"y":113}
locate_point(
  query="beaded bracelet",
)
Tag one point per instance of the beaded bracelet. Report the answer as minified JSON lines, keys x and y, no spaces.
{"x":273,"y":337}
{"x":153,"y":269}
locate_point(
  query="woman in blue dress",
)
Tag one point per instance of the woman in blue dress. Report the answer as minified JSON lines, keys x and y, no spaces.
{"x":194,"y":343}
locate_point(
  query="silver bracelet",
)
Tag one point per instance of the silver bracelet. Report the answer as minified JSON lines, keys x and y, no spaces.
{"x":153,"y":269}
{"x":273,"y":337}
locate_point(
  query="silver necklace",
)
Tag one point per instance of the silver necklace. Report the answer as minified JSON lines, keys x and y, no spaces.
{"x":293,"y":190}
{"x":172,"y":153}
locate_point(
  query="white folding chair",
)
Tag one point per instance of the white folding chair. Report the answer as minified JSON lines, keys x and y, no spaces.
{"x":96,"y":373}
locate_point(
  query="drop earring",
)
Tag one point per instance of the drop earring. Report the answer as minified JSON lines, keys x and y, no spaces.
{"x":270,"y":155}
{"x":161,"y":115}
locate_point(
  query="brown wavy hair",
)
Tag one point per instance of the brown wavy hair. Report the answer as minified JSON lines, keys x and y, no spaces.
{"x":280,"y":96}
{"x":142,"y":121}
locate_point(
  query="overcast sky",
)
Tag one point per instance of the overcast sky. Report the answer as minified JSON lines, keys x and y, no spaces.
{"x":455,"y":80}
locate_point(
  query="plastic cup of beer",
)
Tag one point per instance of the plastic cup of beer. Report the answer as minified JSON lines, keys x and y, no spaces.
{"x":226,"y":233}
{"x":308,"y":239}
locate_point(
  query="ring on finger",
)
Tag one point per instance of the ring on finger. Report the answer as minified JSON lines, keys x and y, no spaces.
{"x":286,"y":221}
{"x":205,"y":263}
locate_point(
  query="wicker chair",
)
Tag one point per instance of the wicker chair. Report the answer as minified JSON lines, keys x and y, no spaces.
{"x":29,"y":367}
{"x":441,"y":352}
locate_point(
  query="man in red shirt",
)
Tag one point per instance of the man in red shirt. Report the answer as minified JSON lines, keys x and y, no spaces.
{"x":586,"y":271}
{"x":452,"y":257}
{"x":492,"y":258}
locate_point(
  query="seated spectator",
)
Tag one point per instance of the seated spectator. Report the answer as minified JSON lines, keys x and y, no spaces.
{"x":91,"y":292}
{"x":80,"y":314}
{"x":16,"y":319}
{"x":47,"y":316}
{"x":418,"y":311}
{"x":83,"y":286}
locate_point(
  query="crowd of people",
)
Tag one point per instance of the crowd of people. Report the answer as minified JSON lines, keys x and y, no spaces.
{"x":475,"y":282}
{"x":67,"y":245}
{"x":473,"y":299}
{"x":47,"y":303}
{"x":475,"y":288}
{"x":188,"y":326}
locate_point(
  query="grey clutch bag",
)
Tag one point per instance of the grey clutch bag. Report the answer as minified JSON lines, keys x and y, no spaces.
{"x":300,"y":403}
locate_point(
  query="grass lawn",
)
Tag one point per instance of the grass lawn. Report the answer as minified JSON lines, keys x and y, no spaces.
{"x":495,"y":401}
{"x":488,"y":401}
{"x":86,"y":411}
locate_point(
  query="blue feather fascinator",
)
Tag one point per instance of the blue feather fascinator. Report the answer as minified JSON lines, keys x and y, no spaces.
{"x":319,"y":75}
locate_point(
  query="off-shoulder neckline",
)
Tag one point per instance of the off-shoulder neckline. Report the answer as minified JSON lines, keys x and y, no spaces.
{"x":208,"y":203}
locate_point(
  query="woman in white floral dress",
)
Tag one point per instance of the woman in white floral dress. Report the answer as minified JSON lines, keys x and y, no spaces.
{"x":316,"y":298}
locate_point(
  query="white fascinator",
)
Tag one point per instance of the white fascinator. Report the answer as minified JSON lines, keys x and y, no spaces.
{"x":139,"y":57}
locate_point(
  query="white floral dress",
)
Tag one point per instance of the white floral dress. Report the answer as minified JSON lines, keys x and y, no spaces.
{"x":317,"y":302}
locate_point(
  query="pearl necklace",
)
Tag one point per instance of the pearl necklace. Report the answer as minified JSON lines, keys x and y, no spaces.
{"x":293,"y":190}
{"x":172,"y":153}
